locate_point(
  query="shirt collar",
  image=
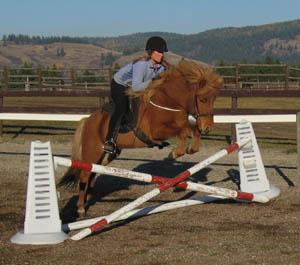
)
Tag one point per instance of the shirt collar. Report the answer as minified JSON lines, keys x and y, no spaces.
{"x":150,"y":65}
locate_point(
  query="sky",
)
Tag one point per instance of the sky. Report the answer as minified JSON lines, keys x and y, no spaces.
{"x":111,"y":18}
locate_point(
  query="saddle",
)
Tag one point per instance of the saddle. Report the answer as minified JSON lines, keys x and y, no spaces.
{"x":129,"y":121}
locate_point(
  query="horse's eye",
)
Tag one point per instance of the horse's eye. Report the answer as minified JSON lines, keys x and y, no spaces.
{"x":203,"y":100}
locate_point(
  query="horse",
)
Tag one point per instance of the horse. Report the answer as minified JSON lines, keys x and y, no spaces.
{"x":185,"y":89}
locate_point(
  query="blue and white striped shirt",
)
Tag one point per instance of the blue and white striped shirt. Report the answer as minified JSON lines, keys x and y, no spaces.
{"x":138,"y":75}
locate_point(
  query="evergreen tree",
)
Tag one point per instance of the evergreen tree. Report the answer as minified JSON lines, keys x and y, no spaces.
{"x":62,"y":52}
{"x":109,"y":59}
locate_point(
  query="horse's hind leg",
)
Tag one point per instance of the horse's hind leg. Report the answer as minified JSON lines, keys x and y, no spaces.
{"x":90,"y":187}
{"x":104,"y":160}
{"x":84,"y":177}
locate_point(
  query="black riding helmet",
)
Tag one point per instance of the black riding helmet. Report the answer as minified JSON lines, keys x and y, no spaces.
{"x":157,"y":44}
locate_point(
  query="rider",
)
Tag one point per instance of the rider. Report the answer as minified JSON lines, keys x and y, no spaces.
{"x":137,"y":75}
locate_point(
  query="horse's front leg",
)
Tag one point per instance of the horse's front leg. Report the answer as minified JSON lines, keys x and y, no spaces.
{"x":104,"y":160}
{"x":180,"y":149}
{"x":196,"y":140}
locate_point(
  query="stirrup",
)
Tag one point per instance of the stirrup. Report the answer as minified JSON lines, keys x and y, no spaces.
{"x":109,"y":147}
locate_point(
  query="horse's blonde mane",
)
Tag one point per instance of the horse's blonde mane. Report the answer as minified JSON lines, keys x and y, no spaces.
{"x":191,"y":71}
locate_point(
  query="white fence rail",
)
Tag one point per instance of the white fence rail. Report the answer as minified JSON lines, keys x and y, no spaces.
{"x":217,"y":118}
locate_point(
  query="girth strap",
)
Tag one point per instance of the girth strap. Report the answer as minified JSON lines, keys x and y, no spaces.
{"x":145,"y":139}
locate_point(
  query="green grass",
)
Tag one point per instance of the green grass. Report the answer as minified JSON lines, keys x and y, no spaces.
{"x":260,"y":103}
{"x":221,"y":102}
{"x":39,"y":102}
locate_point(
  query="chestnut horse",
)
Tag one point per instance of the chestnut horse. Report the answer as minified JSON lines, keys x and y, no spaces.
{"x":187,"y":89}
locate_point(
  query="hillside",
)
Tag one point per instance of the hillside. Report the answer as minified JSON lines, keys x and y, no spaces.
{"x":170,"y":57}
{"x":252,"y":43}
{"x":278,"y":40}
{"x":76,"y":55}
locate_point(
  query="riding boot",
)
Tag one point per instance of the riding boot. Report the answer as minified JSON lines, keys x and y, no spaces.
{"x":110,"y":145}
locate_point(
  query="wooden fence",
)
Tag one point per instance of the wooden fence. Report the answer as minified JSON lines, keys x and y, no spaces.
{"x":239,"y":81}
{"x":39,"y":79}
{"x":248,"y":76}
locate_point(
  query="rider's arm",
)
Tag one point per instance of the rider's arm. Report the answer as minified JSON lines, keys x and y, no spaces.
{"x":139,"y":76}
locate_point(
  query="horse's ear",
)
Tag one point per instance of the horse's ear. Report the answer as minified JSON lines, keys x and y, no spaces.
{"x":219,"y":81}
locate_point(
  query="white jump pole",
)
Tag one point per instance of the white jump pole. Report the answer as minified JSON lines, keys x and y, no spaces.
{"x":148,"y":178}
{"x":145,"y":211}
{"x":163,"y":187}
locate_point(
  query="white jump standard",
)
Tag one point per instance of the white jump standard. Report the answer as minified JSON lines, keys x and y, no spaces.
{"x":42,"y":222}
{"x":253,"y":176}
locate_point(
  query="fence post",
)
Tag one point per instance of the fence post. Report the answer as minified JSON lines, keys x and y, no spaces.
{"x":234,"y":101}
{"x":287,"y":75}
{"x":27,"y":84}
{"x":1,"y":122}
{"x":110,"y":73}
{"x":233,"y":108}
{"x":5,"y":79}
{"x":298,"y":148}
{"x":73,"y":79}
{"x":40,"y":84}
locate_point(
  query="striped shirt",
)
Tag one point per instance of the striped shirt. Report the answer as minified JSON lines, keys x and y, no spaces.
{"x":138,"y":75}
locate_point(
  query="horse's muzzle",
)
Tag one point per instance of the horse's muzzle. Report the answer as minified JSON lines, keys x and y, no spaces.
{"x":206,"y":130}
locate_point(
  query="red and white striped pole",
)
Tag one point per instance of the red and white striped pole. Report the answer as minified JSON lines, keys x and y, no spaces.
{"x":148,"y":178}
{"x":163,"y":187}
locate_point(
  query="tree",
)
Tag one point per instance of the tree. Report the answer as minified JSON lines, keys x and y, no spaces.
{"x":116,"y":66}
{"x":109,"y":59}
{"x":102,"y":60}
{"x":62,"y":52}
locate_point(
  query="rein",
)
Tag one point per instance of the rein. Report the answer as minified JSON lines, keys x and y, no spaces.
{"x":161,"y":107}
{"x":196,"y":114}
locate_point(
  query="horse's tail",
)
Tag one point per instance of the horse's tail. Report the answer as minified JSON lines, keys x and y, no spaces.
{"x":71,"y":177}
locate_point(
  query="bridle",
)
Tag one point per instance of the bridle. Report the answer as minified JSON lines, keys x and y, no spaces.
{"x":196,"y":113}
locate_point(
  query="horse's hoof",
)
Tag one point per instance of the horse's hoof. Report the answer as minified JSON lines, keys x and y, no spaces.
{"x":189,"y":150}
{"x":81,"y":213}
{"x":171,"y":156}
